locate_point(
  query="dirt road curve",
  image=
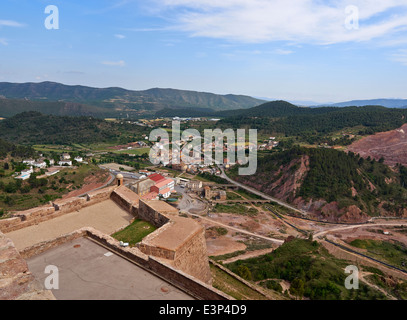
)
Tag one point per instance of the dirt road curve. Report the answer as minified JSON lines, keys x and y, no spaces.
{"x":261,"y":194}
{"x":322,"y":233}
{"x":237,"y":229}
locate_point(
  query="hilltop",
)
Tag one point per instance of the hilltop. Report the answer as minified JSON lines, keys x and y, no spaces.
{"x":391,"y":145}
{"x":331,"y":184}
{"x":388,"y":103}
{"x":121,"y":101}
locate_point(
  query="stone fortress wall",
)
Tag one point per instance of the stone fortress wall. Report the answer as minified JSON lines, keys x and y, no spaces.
{"x":176,"y":251}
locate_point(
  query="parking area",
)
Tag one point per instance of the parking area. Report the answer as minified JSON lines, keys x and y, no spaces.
{"x":88,"y":271}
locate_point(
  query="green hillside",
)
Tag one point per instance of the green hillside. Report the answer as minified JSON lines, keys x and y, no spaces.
{"x":280,"y":117}
{"x":122,"y":100}
{"x":36,"y":128}
{"x":331,"y":176}
{"x":11,"y":107}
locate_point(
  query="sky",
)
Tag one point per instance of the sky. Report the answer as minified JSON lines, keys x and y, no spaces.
{"x":295,"y":50}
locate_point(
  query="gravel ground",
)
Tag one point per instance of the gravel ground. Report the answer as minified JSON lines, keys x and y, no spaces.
{"x":106,"y":217}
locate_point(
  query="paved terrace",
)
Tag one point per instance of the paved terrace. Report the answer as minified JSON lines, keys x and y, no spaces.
{"x":105,"y":216}
{"x":88,"y":271}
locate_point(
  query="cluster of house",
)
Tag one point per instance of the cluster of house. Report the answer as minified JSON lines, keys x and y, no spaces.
{"x":208,"y":192}
{"x":154,"y":186}
{"x":272,"y":143}
{"x":67,"y":161}
{"x":43,"y":163}
{"x":196,"y":163}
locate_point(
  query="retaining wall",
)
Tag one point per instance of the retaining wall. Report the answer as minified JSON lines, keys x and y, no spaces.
{"x":180,"y":279}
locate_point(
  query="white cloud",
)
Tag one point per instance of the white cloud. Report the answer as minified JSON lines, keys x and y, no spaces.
{"x":119,"y":36}
{"x":400,"y":56}
{"x":3,"y":42}
{"x":10,"y":23}
{"x":300,"y":21}
{"x":120,"y":63}
{"x":283,"y":51}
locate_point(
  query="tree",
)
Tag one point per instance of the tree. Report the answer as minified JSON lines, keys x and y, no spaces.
{"x":244,"y":272}
{"x":297,"y":288}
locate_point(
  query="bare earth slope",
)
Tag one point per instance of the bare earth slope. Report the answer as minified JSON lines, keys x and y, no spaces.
{"x":391,"y":145}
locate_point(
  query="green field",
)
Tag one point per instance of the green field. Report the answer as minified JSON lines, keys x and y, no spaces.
{"x":137,"y":152}
{"x":393,"y":253}
{"x":235,"y":208}
{"x":135,"y":232}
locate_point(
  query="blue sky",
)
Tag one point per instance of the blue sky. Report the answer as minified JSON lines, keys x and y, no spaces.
{"x":295,"y":50}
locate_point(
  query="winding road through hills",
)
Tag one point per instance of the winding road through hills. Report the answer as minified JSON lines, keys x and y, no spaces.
{"x":258,"y":193}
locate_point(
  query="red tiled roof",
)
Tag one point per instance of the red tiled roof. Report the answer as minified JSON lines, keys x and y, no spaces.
{"x":150,"y":196}
{"x":166,"y":190}
{"x":163,"y":183}
{"x":156,"y":177}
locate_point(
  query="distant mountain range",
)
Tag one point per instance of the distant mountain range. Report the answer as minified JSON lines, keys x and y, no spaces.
{"x":66,"y":100}
{"x":388,"y":103}
{"x":122,"y":102}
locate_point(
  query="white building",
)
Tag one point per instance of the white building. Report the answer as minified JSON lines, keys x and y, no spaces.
{"x":65,"y":156}
{"x":30,"y":162}
{"x":25,"y":174}
{"x":65,"y":163}
{"x":79,"y":159}
{"x":40,"y":164}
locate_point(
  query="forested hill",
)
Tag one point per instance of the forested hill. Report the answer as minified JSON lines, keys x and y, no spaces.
{"x":36,"y":128}
{"x":332,"y":184}
{"x":11,"y":107}
{"x":121,"y":99}
{"x":14,"y":150}
{"x":285,"y":118}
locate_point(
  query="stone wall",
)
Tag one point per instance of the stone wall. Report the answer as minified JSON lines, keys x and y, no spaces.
{"x":16,"y":282}
{"x":192,"y":257}
{"x":189,"y":254}
{"x":180,"y":241}
{"x":180,"y":279}
{"x":23,"y":219}
{"x":99,"y":195}
{"x":147,"y":213}
{"x":69,"y":205}
{"x":125,"y":198}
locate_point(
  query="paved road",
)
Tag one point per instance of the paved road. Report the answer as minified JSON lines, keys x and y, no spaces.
{"x":261,"y":194}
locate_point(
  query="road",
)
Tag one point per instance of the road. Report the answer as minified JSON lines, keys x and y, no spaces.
{"x":237,"y":229}
{"x":261,"y":194}
{"x":322,"y":233}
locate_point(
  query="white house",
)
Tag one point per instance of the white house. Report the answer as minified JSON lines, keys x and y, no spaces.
{"x":65,"y":156}
{"x":79,"y":159}
{"x":30,"y":162}
{"x":65,"y":163}
{"x":40,"y":164}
